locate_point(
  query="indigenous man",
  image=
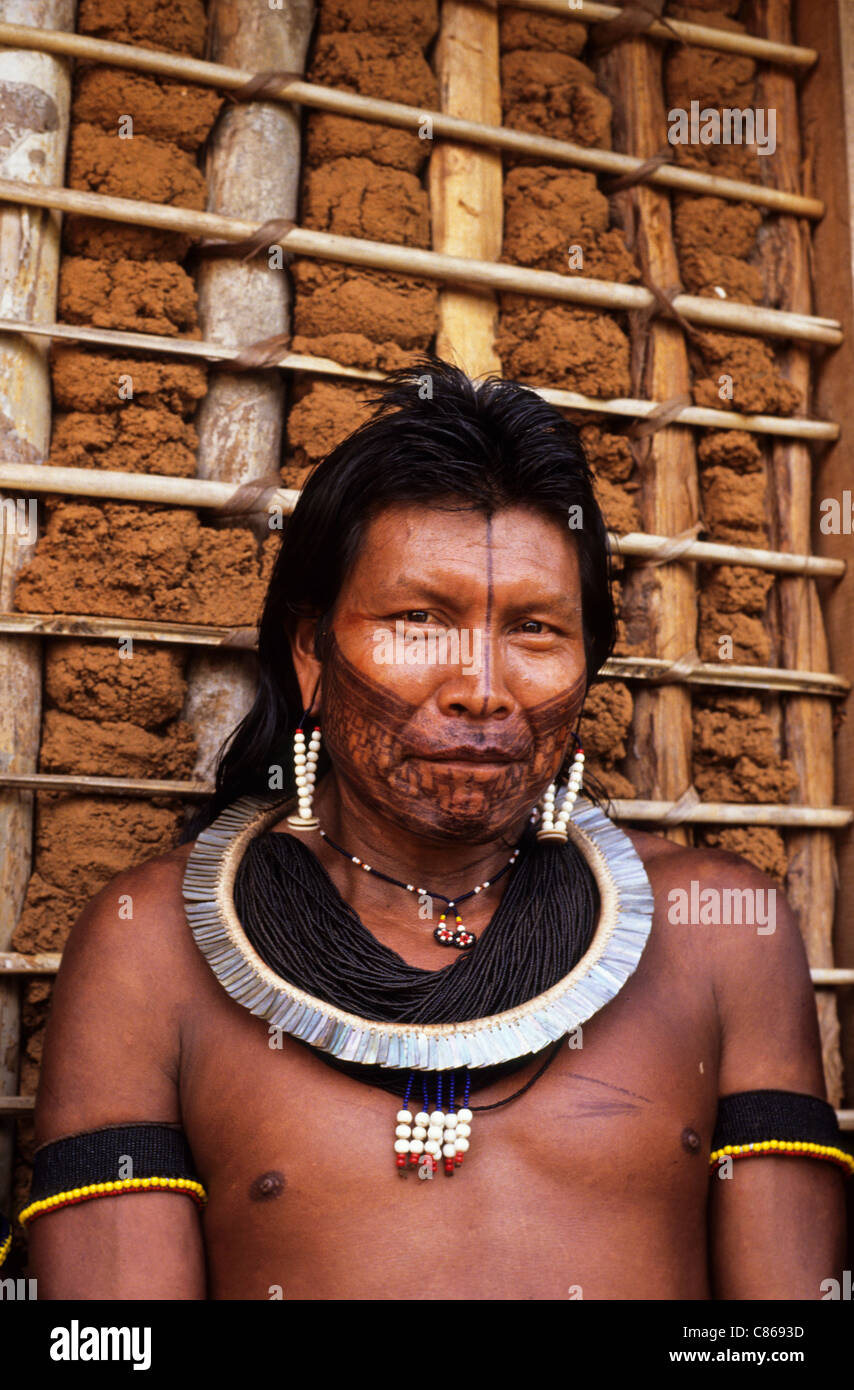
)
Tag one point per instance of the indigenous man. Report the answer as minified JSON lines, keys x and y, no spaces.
{"x":433,"y":928}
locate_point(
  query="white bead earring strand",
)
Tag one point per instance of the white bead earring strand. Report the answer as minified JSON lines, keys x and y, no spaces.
{"x":552,"y":828}
{"x":305,"y":767}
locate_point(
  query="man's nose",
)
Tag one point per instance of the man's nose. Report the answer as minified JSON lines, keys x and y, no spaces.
{"x":477,"y":686}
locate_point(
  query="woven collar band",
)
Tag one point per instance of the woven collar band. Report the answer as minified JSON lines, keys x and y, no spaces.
{"x":624,"y":925}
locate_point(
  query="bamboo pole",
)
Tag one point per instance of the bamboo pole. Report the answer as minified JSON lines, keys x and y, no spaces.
{"x":659,"y":812}
{"x":43,"y":963}
{"x":36,"y":95}
{"x":412,"y":260}
{"x":811,"y":879}
{"x":109,"y":629}
{"x":252,"y":170}
{"x":640,"y":668}
{"x":635,"y":668}
{"x":817,"y":431}
{"x":647,"y":546}
{"x":408,"y":117}
{"x":136,"y":487}
{"x":466,"y":183}
{"x":48,"y":963}
{"x":734,"y":813}
{"x":206,"y":492}
{"x":109,"y":786}
{"x":660,"y":751}
{"x":724,"y":40}
{"x":814,"y":431}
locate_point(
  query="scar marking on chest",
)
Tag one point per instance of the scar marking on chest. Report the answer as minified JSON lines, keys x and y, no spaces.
{"x":267,"y":1185}
{"x":594,"y":1081}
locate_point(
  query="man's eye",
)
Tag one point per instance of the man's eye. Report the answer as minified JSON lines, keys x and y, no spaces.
{"x":417,"y":615}
{"x":533,"y":625}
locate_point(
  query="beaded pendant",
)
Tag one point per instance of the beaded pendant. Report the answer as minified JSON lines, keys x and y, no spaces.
{"x":420,"y":1141}
{"x":454,"y":936}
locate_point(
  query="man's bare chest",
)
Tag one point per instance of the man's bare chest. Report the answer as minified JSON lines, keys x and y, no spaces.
{"x":297,"y":1157}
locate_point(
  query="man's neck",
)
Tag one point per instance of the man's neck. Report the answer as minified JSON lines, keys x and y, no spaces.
{"x":402,"y":921}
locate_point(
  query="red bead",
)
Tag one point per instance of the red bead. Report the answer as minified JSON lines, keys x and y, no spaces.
{"x":413,"y":1159}
{"x":459,"y":1159}
{"x":401,"y":1160}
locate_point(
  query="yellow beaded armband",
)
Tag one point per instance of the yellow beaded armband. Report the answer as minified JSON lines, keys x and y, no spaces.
{"x":5,"y":1239}
{"x":110,"y":1163}
{"x":112,"y":1189}
{"x":804,"y":1126}
{"x":781,"y":1146}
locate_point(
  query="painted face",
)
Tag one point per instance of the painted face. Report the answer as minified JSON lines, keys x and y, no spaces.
{"x":455,"y":670}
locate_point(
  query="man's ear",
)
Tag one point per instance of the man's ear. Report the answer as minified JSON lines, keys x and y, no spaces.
{"x":304,"y":640}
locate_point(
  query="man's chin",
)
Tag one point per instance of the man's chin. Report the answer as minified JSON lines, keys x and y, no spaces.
{"x":457,"y":821}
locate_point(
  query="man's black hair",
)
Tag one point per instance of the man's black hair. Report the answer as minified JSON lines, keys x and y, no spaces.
{"x":435,"y":435}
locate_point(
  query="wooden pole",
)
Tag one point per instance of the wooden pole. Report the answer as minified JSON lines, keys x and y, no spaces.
{"x":466,"y":184}
{"x":48,"y":963}
{"x":412,"y":260}
{"x":109,"y":629}
{"x":664,"y":813}
{"x":811,"y":878}
{"x":817,"y":431}
{"x":136,"y":487}
{"x":827,"y":122}
{"x":44,"y":963}
{"x":205,"y":492}
{"x":111,"y":786}
{"x":632,"y":668}
{"x":252,"y":171}
{"x":724,"y":40}
{"x":409,"y":118}
{"x":733,"y":813}
{"x":36,"y":90}
{"x":660,"y":757}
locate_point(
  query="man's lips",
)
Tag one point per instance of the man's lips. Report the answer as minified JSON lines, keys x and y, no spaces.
{"x":491,"y":756}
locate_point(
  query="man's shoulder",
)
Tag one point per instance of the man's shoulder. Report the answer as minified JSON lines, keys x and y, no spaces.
{"x":718,"y":914}
{"x":138,"y":916}
{"x":666,"y":860}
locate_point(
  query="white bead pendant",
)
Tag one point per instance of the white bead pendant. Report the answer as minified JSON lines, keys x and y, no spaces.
{"x":432,"y":1136}
{"x":305,"y":773}
{"x":554,"y":827}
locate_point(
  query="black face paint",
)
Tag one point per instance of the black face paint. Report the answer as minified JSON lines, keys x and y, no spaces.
{"x":487,"y":654}
{"x":397,"y":758}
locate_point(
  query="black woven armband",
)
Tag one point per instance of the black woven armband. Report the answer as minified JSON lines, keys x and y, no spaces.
{"x":753,"y":1123}
{"x":111,"y":1162}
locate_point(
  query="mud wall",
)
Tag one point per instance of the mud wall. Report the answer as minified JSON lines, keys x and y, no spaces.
{"x":111,"y":713}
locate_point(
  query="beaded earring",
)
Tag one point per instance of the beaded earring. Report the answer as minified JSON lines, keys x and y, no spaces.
{"x":305,"y":770}
{"x":554,"y":828}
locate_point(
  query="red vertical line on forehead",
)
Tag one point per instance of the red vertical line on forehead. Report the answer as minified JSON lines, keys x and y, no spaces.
{"x":488,"y":618}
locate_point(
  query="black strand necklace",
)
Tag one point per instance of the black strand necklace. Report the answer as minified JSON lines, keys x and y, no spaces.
{"x":567,"y":933}
{"x":457,"y":935}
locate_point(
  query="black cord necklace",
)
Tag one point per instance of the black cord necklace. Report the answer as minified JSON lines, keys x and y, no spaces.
{"x":457,"y":936}
{"x":308,"y":934}
{"x":284,"y":944}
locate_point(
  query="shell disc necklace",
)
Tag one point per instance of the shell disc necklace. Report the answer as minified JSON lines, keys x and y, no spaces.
{"x":618,"y":941}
